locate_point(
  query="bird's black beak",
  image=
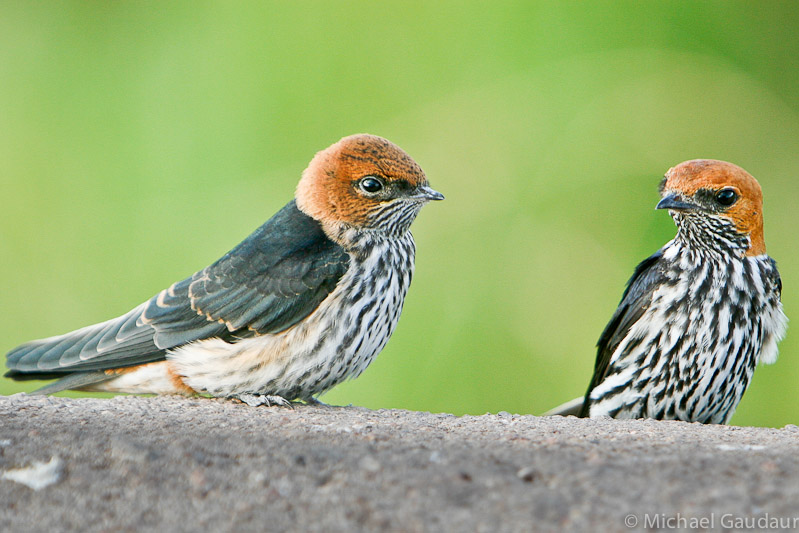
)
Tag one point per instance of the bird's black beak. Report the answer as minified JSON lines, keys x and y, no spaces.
{"x":676,"y":202}
{"x":426,"y":193}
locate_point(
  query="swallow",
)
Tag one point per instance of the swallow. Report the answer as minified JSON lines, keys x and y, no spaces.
{"x":305,"y":302}
{"x":698,"y":315}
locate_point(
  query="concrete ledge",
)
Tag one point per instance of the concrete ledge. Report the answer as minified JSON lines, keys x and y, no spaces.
{"x":176,"y":464}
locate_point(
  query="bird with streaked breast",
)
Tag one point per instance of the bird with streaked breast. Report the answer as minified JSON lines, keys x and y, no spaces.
{"x":305,"y":302}
{"x":698,"y":315}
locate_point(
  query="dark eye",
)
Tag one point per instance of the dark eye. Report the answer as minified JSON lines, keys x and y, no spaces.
{"x":726,"y":197}
{"x":371,"y":184}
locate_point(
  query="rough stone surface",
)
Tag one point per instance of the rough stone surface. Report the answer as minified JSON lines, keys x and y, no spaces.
{"x":177,"y":464}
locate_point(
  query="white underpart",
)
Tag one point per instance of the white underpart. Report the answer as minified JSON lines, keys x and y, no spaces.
{"x":778,"y":322}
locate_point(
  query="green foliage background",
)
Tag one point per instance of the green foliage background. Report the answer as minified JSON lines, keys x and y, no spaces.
{"x":140,"y":141}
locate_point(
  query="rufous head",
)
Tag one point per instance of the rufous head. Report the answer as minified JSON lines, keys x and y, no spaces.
{"x":366,"y":182}
{"x":708,"y":188}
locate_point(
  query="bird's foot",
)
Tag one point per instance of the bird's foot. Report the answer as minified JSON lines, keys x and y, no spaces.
{"x":254,"y":400}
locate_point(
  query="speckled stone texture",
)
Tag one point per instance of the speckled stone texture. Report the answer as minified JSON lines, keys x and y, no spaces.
{"x":177,"y":464}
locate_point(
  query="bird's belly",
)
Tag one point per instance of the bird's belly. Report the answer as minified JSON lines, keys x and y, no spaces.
{"x":336,"y":342}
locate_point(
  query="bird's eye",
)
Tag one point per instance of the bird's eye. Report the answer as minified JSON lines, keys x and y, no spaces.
{"x":371,"y":185}
{"x":726,"y":197}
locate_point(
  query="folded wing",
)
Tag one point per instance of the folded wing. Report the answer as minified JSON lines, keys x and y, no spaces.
{"x":272,"y":280}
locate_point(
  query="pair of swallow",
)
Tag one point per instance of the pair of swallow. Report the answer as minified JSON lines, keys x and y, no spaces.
{"x":313,"y":295}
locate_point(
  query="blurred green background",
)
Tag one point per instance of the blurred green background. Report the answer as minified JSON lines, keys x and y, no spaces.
{"x":141,"y":141}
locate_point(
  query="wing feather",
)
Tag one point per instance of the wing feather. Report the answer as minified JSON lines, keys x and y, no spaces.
{"x":269,"y":282}
{"x":636,"y":299}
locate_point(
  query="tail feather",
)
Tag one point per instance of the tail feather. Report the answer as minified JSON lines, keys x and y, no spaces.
{"x":123,"y":341}
{"x":73,"y":381}
{"x":570,"y":408}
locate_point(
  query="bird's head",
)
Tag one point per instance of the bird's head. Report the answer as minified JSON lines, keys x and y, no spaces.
{"x":364,"y":182}
{"x":715,"y":203}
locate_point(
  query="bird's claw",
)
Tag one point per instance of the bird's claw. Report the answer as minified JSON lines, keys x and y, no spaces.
{"x":254,"y":400}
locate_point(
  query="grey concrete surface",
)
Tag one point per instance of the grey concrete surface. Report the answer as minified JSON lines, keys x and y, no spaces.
{"x":178,"y":464}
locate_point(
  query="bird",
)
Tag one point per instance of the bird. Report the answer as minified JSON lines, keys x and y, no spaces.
{"x":699,"y":314}
{"x":303,"y":303}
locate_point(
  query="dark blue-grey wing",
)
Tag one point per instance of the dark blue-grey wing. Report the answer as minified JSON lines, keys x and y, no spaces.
{"x":269,"y":282}
{"x":123,"y":339}
{"x":636,"y":299}
{"x":274,"y":279}
{"x":774,"y":275}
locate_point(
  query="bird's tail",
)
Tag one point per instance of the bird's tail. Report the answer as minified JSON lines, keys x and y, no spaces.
{"x":74,"y":381}
{"x":573,"y":408}
{"x":80,"y":357}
